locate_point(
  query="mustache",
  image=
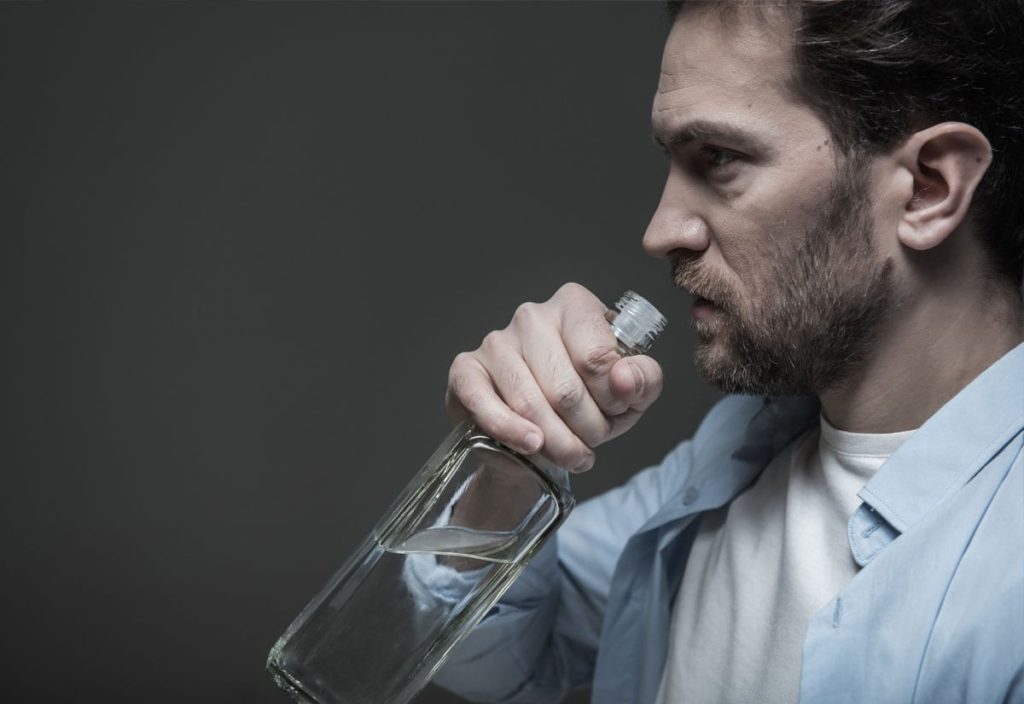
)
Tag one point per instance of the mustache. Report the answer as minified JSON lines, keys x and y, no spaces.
{"x":692,"y":275}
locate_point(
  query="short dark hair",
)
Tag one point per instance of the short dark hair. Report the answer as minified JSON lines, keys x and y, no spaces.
{"x":878,"y":70}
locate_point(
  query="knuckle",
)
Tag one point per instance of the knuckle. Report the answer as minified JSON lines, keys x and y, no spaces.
{"x":456,"y":378}
{"x":527,"y":405}
{"x":525,"y":312}
{"x":458,"y":367}
{"x":598,"y":360}
{"x":613,"y":408}
{"x":571,"y":291}
{"x":459,"y":373}
{"x":569,"y":396}
{"x":463,"y":388}
{"x":492,"y":342}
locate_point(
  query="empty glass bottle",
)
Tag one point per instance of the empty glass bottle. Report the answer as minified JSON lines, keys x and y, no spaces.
{"x":445,"y":552}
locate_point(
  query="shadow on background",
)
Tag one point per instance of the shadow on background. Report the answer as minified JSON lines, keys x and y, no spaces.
{"x":242,"y":244}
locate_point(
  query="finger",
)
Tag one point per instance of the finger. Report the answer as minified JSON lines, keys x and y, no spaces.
{"x":637,"y":380}
{"x":471,"y":394}
{"x":623,"y":422}
{"x":545,"y":354}
{"x":594,"y":351}
{"x":515,"y":383}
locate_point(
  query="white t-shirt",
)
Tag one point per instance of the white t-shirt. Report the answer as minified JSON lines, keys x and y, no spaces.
{"x":763,"y":565}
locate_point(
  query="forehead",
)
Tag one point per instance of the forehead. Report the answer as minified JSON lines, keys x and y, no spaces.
{"x":734,"y":67}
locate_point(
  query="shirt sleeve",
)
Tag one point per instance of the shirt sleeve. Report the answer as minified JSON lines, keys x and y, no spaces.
{"x":541,"y":639}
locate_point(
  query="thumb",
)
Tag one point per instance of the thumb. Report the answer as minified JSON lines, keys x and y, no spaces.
{"x":637,"y":380}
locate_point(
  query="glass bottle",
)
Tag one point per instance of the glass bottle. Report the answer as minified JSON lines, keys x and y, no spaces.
{"x":443,"y":554}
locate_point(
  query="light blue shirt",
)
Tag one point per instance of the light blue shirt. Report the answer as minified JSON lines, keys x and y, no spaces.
{"x":936,"y":614}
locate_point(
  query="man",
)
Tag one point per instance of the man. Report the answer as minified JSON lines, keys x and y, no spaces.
{"x":844,"y":200}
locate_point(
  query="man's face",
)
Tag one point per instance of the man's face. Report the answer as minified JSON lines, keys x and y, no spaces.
{"x":760,"y":217}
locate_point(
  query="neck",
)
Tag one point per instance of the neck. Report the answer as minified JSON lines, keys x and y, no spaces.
{"x":940,"y":345}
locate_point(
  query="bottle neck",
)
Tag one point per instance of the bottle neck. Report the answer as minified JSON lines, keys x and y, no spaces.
{"x":625,"y":349}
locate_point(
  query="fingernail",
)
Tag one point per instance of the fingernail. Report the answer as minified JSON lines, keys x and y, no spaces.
{"x":586,"y":464}
{"x":532,"y":442}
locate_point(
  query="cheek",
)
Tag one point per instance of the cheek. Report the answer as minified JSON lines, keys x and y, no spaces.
{"x":797,"y":189}
{"x":743,"y":263}
{"x":784,"y":199}
{"x":759,"y":231}
{"x":756,"y":245}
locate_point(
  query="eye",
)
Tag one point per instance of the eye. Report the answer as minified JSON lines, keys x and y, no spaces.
{"x":715,"y":158}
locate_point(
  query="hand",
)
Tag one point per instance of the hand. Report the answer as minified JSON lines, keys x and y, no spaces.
{"x":553,"y":381}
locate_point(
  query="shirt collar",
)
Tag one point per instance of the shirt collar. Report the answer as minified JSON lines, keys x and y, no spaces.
{"x":952,"y":446}
{"x":939,"y":458}
{"x":780,"y":421}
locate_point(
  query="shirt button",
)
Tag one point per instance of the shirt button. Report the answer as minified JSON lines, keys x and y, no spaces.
{"x":689,"y":496}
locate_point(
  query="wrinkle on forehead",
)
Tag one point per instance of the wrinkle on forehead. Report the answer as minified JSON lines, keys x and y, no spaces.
{"x":722,"y":80}
{"x":705,"y":47}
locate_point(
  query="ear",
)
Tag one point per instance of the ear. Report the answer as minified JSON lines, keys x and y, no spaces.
{"x":946,"y":161}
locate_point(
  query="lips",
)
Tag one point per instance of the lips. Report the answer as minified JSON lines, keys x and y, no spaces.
{"x":704,"y":310}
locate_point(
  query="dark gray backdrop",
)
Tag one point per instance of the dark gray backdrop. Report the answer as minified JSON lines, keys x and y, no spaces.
{"x":241,"y":245}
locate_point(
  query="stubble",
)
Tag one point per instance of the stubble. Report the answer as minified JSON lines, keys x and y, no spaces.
{"x":817,"y":322}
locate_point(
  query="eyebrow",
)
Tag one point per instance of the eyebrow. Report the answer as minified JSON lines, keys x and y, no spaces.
{"x":710,"y":131}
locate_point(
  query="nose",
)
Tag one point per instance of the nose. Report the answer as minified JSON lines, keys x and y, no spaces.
{"x":675,"y":224}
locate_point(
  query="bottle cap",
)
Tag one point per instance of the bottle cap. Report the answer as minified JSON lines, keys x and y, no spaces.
{"x":638,"y":323}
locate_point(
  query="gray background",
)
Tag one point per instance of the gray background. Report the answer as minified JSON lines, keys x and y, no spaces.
{"x":241,"y":245}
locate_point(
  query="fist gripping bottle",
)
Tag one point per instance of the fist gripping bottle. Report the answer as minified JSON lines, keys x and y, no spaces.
{"x":443,"y":554}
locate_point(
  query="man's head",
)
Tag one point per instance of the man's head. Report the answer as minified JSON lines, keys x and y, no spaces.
{"x":830,"y":166}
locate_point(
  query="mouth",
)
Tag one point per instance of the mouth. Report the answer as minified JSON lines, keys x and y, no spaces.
{"x":703,"y":300}
{"x":703,"y":309}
